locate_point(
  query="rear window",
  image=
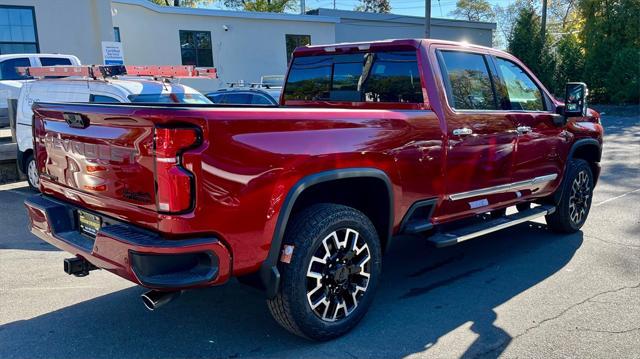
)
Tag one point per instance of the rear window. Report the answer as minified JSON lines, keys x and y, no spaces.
{"x":188,"y":98}
{"x":361,"y":77}
{"x":54,"y":61}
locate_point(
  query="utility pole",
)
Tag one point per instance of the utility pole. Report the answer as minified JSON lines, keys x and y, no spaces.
{"x":334,"y":4}
{"x":544,"y":20}
{"x":427,"y":19}
{"x":302,"y":10}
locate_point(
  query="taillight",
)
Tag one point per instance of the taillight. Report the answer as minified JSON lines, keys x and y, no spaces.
{"x":174,"y":184}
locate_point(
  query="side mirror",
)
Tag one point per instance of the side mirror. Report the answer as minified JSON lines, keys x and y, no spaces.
{"x":575,"y":101}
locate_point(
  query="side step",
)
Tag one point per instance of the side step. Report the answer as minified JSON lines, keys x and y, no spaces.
{"x":476,"y":230}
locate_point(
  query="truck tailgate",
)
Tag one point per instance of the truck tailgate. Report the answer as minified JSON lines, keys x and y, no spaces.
{"x":101,"y":157}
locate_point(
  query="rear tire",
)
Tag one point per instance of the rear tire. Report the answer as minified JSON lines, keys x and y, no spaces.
{"x":329,"y":284}
{"x":32,"y":173}
{"x":574,"y":205}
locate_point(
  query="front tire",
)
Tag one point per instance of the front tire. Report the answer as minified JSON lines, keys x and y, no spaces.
{"x":329,"y":284}
{"x":32,"y":173}
{"x":572,"y":210}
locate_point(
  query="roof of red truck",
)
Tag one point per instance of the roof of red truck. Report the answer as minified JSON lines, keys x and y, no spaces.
{"x":398,"y":44}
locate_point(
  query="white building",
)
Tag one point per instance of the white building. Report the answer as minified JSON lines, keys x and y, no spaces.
{"x":241,"y":45}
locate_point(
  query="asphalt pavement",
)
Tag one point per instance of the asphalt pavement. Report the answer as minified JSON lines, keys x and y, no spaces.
{"x":523,"y":292}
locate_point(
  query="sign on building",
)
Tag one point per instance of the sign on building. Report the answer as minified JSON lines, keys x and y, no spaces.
{"x":112,"y":53}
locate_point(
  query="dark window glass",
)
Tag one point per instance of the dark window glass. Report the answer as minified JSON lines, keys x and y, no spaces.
{"x":238,"y":98}
{"x":294,"y":41}
{"x":54,"y":61}
{"x":260,"y":100}
{"x":116,"y":34}
{"x":309,"y":78}
{"x":196,"y":49}
{"x":17,"y":30}
{"x":469,"y":82}
{"x":216,"y":98}
{"x":523,"y":93}
{"x":362,"y":77}
{"x":103,"y":99}
{"x":8,"y":68}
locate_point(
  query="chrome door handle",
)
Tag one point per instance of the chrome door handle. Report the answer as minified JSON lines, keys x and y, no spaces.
{"x":462,"y":132}
{"x":523,"y":129}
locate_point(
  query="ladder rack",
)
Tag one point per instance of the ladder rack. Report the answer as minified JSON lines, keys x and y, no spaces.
{"x":107,"y":71}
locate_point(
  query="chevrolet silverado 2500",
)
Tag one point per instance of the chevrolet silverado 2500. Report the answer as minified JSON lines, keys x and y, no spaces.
{"x":370,"y":140}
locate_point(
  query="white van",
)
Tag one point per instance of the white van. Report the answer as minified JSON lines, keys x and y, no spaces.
{"x":127,"y":90}
{"x":11,"y":81}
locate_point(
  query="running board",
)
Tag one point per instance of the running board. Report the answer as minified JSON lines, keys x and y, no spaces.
{"x":476,"y":230}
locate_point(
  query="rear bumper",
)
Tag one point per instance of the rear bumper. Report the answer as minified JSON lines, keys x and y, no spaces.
{"x":135,"y":254}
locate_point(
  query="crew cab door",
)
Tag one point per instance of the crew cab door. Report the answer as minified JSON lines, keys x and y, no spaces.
{"x":480,"y":137}
{"x":541,"y":145}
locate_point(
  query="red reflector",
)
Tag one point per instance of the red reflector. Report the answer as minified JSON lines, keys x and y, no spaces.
{"x":91,"y":168}
{"x":174,"y":183}
{"x":98,"y":188}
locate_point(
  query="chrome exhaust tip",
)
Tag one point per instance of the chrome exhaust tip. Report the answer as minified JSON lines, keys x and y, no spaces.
{"x":155,"y":299}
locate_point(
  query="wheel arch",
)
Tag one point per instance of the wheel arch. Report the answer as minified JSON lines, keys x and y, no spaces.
{"x":306,"y":191}
{"x":22,"y":158}
{"x":590,"y":150}
{"x":587,"y":149}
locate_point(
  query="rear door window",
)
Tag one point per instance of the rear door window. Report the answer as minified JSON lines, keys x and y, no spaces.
{"x":362,"y":77}
{"x":468,"y":81}
{"x":54,"y":61}
{"x":8,"y":68}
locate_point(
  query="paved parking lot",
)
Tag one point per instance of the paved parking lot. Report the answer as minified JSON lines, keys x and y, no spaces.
{"x":523,"y":292}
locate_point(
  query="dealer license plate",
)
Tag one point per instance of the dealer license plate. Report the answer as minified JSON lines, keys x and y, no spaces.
{"x":89,"y":223}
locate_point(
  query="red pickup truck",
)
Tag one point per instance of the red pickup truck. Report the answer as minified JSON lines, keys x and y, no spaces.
{"x":370,"y":140}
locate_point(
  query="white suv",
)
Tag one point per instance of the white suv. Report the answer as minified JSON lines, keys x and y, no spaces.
{"x":123,"y":89}
{"x":11,"y":81}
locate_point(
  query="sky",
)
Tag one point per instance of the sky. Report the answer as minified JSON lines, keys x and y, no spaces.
{"x":440,"y":8}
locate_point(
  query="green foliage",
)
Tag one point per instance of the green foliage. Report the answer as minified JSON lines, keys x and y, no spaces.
{"x":182,"y":3}
{"x":262,"y":5}
{"x":526,"y":43}
{"x":570,"y":62}
{"x":379,"y":6}
{"x":611,"y":41}
{"x":473,"y":10}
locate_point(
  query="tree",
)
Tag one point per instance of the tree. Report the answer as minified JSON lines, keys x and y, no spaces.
{"x":182,"y":3}
{"x":262,"y":5}
{"x":611,"y":41}
{"x":473,"y":10}
{"x":526,"y":44}
{"x":379,"y":6}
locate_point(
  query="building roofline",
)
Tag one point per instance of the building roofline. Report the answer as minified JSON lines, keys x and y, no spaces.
{"x":346,"y":15}
{"x":227,"y":13}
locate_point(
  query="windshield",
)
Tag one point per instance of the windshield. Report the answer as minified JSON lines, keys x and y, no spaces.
{"x":190,"y":98}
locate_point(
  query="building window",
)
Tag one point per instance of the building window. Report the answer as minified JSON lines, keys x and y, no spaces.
{"x":294,"y":41}
{"x":116,"y":34}
{"x":18,"y":30}
{"x":195,"y":48}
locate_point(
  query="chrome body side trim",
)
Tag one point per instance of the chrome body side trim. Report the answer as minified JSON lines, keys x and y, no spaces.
{"x":503,"y":187}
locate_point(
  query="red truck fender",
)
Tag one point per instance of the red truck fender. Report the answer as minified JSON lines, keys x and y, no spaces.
{"x":269,"y":275}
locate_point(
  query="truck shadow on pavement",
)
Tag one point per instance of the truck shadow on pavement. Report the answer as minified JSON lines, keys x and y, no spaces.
{"x":427,"y":297}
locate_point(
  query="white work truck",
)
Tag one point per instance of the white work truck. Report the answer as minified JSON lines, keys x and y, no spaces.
{"x":11,"y":81}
